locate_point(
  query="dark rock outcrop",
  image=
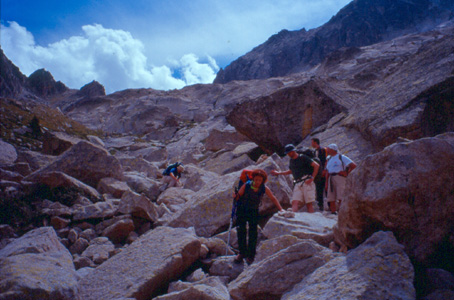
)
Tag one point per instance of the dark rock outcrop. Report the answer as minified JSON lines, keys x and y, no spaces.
{"x":43,"y":84}
{"x":360,"y":23}
{"x":92,"y":89}
{"x":285,"y":117}
{"x":12,"y":81}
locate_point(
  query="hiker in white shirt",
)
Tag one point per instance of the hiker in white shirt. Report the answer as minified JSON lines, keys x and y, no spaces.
{"x":338,"y":167}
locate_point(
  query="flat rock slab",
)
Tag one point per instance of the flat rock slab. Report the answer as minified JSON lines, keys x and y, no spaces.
{"x":378,"y":269}
{"x":304,"y":225}
{"x":277,"y":274}
{"x":147,"y":265}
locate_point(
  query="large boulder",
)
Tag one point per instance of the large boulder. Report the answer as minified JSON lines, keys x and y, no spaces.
{"x":277,"y":274}
{"x":143,"y":268}
{"x":8,"y":154}
{"x":112,"y":186}
{"x":55,"y":179}
{"x":139,"y":206}
{"x":142,"y":184}
{"x":377,"y":269}
{"x":304,"y":226}
{"x":87,"y":163}
{"x":407,"y":189}
{"x":55,"y":143}
{"x":37,"y":266}
{"x":211,"y":288}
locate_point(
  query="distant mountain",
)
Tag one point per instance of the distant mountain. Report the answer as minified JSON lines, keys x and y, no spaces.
{"x":360,"y":23}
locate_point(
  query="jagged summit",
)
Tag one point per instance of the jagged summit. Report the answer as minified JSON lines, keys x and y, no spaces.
{"x":360,"y":23}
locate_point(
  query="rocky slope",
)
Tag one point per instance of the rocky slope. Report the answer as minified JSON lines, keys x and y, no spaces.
{"x":84,"y":204}
{"x":360,"y":23}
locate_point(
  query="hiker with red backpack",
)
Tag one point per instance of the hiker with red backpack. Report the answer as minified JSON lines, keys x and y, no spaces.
{"x":304,"y":171}
{"x":338,"y":168}
{"x":247,"y":201}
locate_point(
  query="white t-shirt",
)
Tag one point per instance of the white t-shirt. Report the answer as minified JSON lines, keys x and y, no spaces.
{"x":334,"y":164}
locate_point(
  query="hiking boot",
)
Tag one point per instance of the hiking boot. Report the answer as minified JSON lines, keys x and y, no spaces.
{"x":238,"y":259}
{"x":249,"y":260}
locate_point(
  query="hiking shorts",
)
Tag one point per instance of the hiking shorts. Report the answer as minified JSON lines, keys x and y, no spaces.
{"x":303,"y":192}
{"x":336,"y":191}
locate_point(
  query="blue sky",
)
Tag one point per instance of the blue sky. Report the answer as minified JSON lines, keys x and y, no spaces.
{"x":158,"y":44}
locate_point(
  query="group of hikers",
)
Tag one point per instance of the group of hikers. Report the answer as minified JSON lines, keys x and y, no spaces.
{"x":316,"y":172}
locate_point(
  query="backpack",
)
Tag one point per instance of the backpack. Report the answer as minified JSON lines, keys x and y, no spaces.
{"x":166,"y":172}
{"x":311,"y":154}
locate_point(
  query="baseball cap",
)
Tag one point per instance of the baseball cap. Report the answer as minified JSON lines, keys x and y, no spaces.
{"x":333,"y":147}
{"x":289,"y":148}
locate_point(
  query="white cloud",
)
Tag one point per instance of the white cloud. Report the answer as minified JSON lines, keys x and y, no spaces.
{"x":112,"y":57}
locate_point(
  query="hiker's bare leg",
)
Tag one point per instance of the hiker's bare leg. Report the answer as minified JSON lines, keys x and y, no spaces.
{"x":295,"y":205}
{"x":310,"y":207}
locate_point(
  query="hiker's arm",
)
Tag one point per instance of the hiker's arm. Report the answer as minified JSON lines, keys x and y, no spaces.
{"x":275,"y":173}
{"x":173,"y":176}
{"x":314,"y":173}
{"x":351,"y":167}
{"x":241,"y":191}
{"x":273,"y":199}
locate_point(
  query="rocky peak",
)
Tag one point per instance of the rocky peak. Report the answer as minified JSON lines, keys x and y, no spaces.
{"x":12,"y":80}
{"x":360,"y":23}
{"x":43,"y":83}
{"x":92,"y":89}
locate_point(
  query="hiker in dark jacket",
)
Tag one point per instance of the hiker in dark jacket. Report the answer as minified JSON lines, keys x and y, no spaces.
{"x":247,"y":211}
{"x":171,"y":176}
{"x":304,"y":170}
{"x":320,"y":153}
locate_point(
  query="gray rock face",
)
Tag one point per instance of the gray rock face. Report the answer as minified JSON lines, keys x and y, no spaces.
{"x":37,"y":266}
{"x":378,"y":269}
{"x":397,"y":190}
{"x":275,"y":275}
{"x":8,"y":154}
{"x":87,"y":163}
{"x":161,"y":255}
{"x":211,"y":288}
{"x":304,"y":225}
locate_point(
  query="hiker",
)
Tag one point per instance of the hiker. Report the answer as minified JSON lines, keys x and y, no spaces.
{"x":171,"y":176}
{"x":338,"y":168}
{"x":320,"y":153}
{"x":247,"y":211}
{"x":304,"y":170}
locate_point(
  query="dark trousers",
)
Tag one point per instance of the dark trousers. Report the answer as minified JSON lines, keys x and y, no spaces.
{"x":319,"y":188}
{"x":247,"y":248}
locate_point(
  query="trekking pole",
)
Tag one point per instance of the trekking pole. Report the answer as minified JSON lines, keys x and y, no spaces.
{"x":231,"y":220}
